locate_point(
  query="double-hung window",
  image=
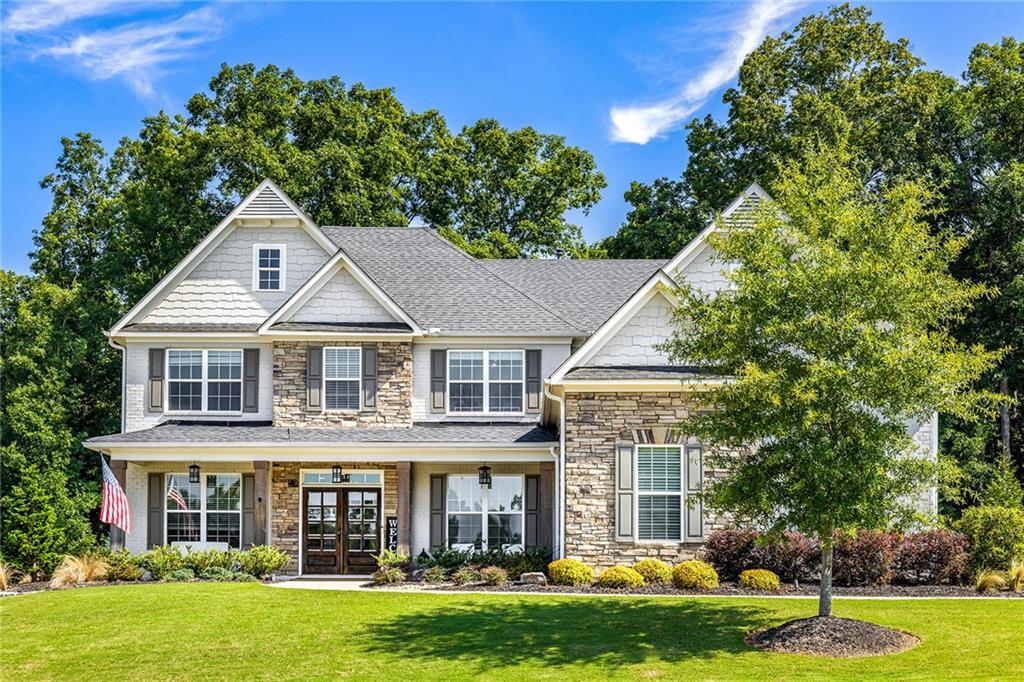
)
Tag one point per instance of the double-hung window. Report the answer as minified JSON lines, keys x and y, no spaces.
{"x":204,"y":381}
{"x":485,"y":518}
{"x":268,"y":267}
{"x":342,"y":368}
{"x":207,"y":511}
{"x":659,"y":493}
{"x":485,"y":381}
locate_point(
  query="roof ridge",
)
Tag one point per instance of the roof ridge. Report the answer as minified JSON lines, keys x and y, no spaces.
{"x":478,"y":262}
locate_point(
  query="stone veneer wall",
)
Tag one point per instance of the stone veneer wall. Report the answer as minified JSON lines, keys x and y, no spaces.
{"x":394,"y":388}
{"x":594,"y":423}
{"x":286,"y":500}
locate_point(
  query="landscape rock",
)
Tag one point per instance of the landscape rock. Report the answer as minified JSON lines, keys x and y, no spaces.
{"x":533,"y":579}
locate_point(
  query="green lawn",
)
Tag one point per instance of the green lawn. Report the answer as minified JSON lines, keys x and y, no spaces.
{"x":243,"y":632}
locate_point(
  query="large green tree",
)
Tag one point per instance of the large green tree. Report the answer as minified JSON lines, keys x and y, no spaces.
{"x":832,"y":336}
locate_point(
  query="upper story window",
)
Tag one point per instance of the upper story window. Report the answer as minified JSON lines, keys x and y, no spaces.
{"x":204,"y":380}
{"x":268,"y":267}
{"x":485,"y":381}
{"x":342,"y":371}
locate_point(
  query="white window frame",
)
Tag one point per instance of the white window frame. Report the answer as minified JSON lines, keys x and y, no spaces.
{"x":486,"y":381}
{"x":485,"y":503}
{"x":204,"y":380}
{"x":639,"y":493}
{"x":202,"y":511}
{"x":358,"y":379}
{"x":378,"y":472}
{"x":282,"y":284}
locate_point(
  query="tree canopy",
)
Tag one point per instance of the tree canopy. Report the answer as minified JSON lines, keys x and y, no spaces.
{"x":833,"y":335}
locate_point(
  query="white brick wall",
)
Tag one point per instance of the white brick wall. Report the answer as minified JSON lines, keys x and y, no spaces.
{"x":342,"y":299}
{"x":551,"y":356}
{"x":925,"y":435}
{"x":136,"y":488}
{"x":137,"y":416}
{"x":420,"y":507}
{"x":634,"y":343}
{"x":220,"y":289}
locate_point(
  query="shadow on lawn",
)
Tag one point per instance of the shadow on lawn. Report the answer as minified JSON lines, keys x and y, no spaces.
{"x":569,"y":631}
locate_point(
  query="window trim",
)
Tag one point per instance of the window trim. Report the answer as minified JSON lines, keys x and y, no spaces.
{"x":486,"y":382}
{"x":280,"y":269}
{"x":379,"y":472}
{"x":682,"y":495}
{"x":485,"y":512}
{"x":202,"y":511}
{"x":204,"y":382}
{"x":358,"y":379}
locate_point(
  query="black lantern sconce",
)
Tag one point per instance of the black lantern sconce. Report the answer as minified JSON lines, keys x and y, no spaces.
{"x":485,"y":475}
{"x":193,"y":473}
{"x":337,"y":476}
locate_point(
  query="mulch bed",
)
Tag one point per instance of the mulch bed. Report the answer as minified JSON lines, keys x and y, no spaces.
{"x":835,"y":637}
{"x":810,"y":590}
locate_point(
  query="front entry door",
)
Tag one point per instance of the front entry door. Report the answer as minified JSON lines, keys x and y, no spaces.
{"x":361,"y":530}
{"x":321,"y":531}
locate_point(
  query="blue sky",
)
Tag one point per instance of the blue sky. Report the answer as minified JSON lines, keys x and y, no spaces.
{"x":617,"y":79}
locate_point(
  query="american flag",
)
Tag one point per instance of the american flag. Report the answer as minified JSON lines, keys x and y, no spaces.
{"x":114,"y":506}
{"x":175,"y":495}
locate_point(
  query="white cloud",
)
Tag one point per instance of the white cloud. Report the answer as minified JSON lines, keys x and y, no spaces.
{"x":639,"y":124}
{"x":137,"y":51}
{"x":43,"y":15}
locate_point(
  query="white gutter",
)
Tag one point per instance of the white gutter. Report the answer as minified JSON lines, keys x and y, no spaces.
{"x":560,"y":474}
{"x":124,"y":370}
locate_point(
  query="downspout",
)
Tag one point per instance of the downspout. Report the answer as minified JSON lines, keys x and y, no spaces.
{"x":123,"y":349}
{"x":560,"y":474}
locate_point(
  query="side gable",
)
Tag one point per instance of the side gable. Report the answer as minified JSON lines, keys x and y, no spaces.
{"x":341,"y":299}
{"x":208,"y":285}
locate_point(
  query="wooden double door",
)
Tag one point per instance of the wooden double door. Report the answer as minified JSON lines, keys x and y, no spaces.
{"x":341,"y":530}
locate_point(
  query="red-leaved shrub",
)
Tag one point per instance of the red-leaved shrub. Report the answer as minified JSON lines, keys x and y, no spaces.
{"x":731,"y":552}
{"x":793,"y":557}
{"x":864,"y":559}
{"x":930,"y":557}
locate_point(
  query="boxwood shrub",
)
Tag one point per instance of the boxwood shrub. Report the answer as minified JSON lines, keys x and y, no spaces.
{"x":694,"y":575}
{"x":570,"y":572}
{"x":653,"y":570}
{"x":620,"y":577}
{"x":759,"y":579}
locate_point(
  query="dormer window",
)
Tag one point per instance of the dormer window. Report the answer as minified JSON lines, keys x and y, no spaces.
{"x":268,"y":267}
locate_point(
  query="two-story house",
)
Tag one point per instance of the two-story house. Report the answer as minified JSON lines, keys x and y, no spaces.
{"x":336,"y":390}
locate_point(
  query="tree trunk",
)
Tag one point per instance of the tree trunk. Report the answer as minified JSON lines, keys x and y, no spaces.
{"x":1004,"y":419}
{"x":825,"y":593}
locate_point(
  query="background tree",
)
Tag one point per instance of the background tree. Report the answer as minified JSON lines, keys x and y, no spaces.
{"x":833,"y":330}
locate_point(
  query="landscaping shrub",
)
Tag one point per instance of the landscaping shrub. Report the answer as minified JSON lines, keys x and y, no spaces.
{"x":694,"y":575}
{"x":990,"y":581}
{"x":466,"y":575}
{"x":995,"y":535}
{"x":494,"y":575}
{"x":864,"y":559}
{"x":8,"y":576}
{"x":530,"y":560}
{"x":759,"y":579}
{"x":245,"y":578}
{"x":731,"y":551}
{"x":79,"y":569}
{"x":434,"y":574}
{"x":570,"y":572}
{"x":180,"y":576}
{"x":389,"y":559}
{"x":386,"y":575}
{"x":1015,"y":576}
{"x":261,"y":560}
{"x":448,"y":559}
{"x":792,"y":557}
{"x":123,"y":565}
{"x":161,"y":561}
{"x":930,"y":557}
{"x":218,"y":574}
{"x":653,"y":571}
{"x":620,"y":577}
{"x":199,"y":560}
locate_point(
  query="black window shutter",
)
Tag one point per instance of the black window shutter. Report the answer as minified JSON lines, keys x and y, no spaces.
{"x":248,"y":509}
{"x":156,"y":379}
{"x":370,"y":378}
{"x":155,"y":509}
{"x":436,"y":512}
{"x":532,"y":509}
{"x":534,"y":380}
{"x":438,"y":379}
{"x":314,"y":378}
{"x":251,"y":380}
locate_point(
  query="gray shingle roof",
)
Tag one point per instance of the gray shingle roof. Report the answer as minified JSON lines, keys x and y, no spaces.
{"x":173,"y":327}
{"x":240,"y":433}
{"x":584,"y":292}
{"x":638,"y":372}
{"x":368,"y":327}
{"x":440,"y":286}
